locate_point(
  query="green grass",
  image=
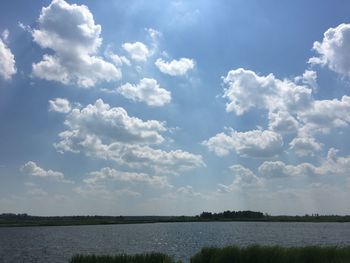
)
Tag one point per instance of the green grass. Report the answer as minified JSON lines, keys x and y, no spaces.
{"x":140,"y":258}
{"x":276,"y":254}
{"x":234,"y":254}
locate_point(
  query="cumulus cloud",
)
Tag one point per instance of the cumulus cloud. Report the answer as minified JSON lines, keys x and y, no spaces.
{"x":33,"y":169}
{"x":137,"y":51}
{"x":243,"y":177}
{"x":113,"y":124}
{"x":110,"y":133}
{"x":147,"y":91}
{"x":331,"y":165}
{"x":278,"y":169}
{"x":335,"y":165}
{"x":108,"y":173}
{"x":333,"y":50}
{"x":59,"y":105}
{"x":175,"y":67}
{"x":244,"y":89}
{"x":304,"y":146}
{"x":186,"y":191}
{"x":283,"y":122}
{"x":119,"y":60}
{"x":255,"y":143}
{"x":70,"y":31}
{"x":7,"y":62}
{"x":324,"y":115}
{"x":309,"y":78}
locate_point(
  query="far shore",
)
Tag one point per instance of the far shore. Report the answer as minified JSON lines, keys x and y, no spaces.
{"x":23,"y":220}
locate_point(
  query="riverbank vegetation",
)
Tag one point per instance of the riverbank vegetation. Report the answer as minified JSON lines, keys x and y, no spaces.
{"x":275,"y":254}
{"x":234,"y":254}
{"x":28,"y":220}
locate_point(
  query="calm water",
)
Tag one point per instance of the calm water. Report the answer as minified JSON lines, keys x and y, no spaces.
{"x":181,"y":240}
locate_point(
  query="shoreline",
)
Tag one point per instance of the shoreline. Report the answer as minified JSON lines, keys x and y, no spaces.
{"x":39,"y":223}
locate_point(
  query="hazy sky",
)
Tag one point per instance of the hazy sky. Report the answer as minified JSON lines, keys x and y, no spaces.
{"x":174,"y":107}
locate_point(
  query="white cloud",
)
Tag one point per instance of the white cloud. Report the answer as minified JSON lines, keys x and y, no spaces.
{"x":108,"y":173}
{"x":148,"y":91}
{"x":245,"y":90}
{"x":186,"y":191}
{"x":110,"y":133}
{"x":33,"y":169}
{"x":334,"y":49}
{"x":255,"y":143}
{"x":304,"y":146}
{"x":332,"y":165}
{"x":70,"y":31}
{"x":119,"y":60}
{"x":308,"y":78}
{"x":7,"y":62}
{"x":335,"y":165}
{"x":278,"y":169}
{"x":243,"y":177}
{"x":175,"y":67}
{"x":282,"y":122}
{"x":138,"y":51}
{"x":5,"y":35}
{"x":59,"y":105}
{"x":154,"y":35}
{"x":112,"y":124}
{"x":324,"y":115}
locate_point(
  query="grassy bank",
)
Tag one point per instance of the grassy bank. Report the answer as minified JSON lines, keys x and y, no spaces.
{"x":264,"y":254}
{"x":233,"y":254}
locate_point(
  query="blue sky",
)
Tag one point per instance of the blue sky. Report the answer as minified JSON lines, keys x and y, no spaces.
{"x":174,"y":107}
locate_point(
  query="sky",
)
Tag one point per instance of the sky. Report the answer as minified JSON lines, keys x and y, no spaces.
{"x":174,"y":107}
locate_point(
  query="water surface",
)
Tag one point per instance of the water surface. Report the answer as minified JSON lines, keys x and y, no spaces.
{"x":57,"y":244}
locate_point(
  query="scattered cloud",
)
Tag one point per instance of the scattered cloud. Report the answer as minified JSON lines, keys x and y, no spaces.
{"x":108,"y":173}
{"x":282,"y":122}
{"x":309,"y":78}
{"x":59,"y":105}
{"x":333,"y":50}
{"x":244,"y":89}
{"x":110,"y":133}
{"x":71,"y":33}
{"x":331,"y":165}
{"x":112,"y":124}
{"x":5,"y":35}
{"x":324,"y":115}
{"x":253,"y":144}
{"x":175,"y":67}
{"x":137,"y":51}
{"x":119,"y":60}
{"x":7,"y":62}
{"x":147,"y":91}
{"x":243,"y":177}
{"x":278,"y":169}
{"x":305,"y":146}
{"x":31,"y":168}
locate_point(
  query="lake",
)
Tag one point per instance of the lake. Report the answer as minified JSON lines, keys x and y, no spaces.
{"x":56,"y":244}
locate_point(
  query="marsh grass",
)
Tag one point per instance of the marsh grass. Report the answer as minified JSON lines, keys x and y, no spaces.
{"x":274,"y":254}
{"x":235,"y":254}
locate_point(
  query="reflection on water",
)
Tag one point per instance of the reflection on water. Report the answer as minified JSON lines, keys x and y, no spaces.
{"x":181,"y":240}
